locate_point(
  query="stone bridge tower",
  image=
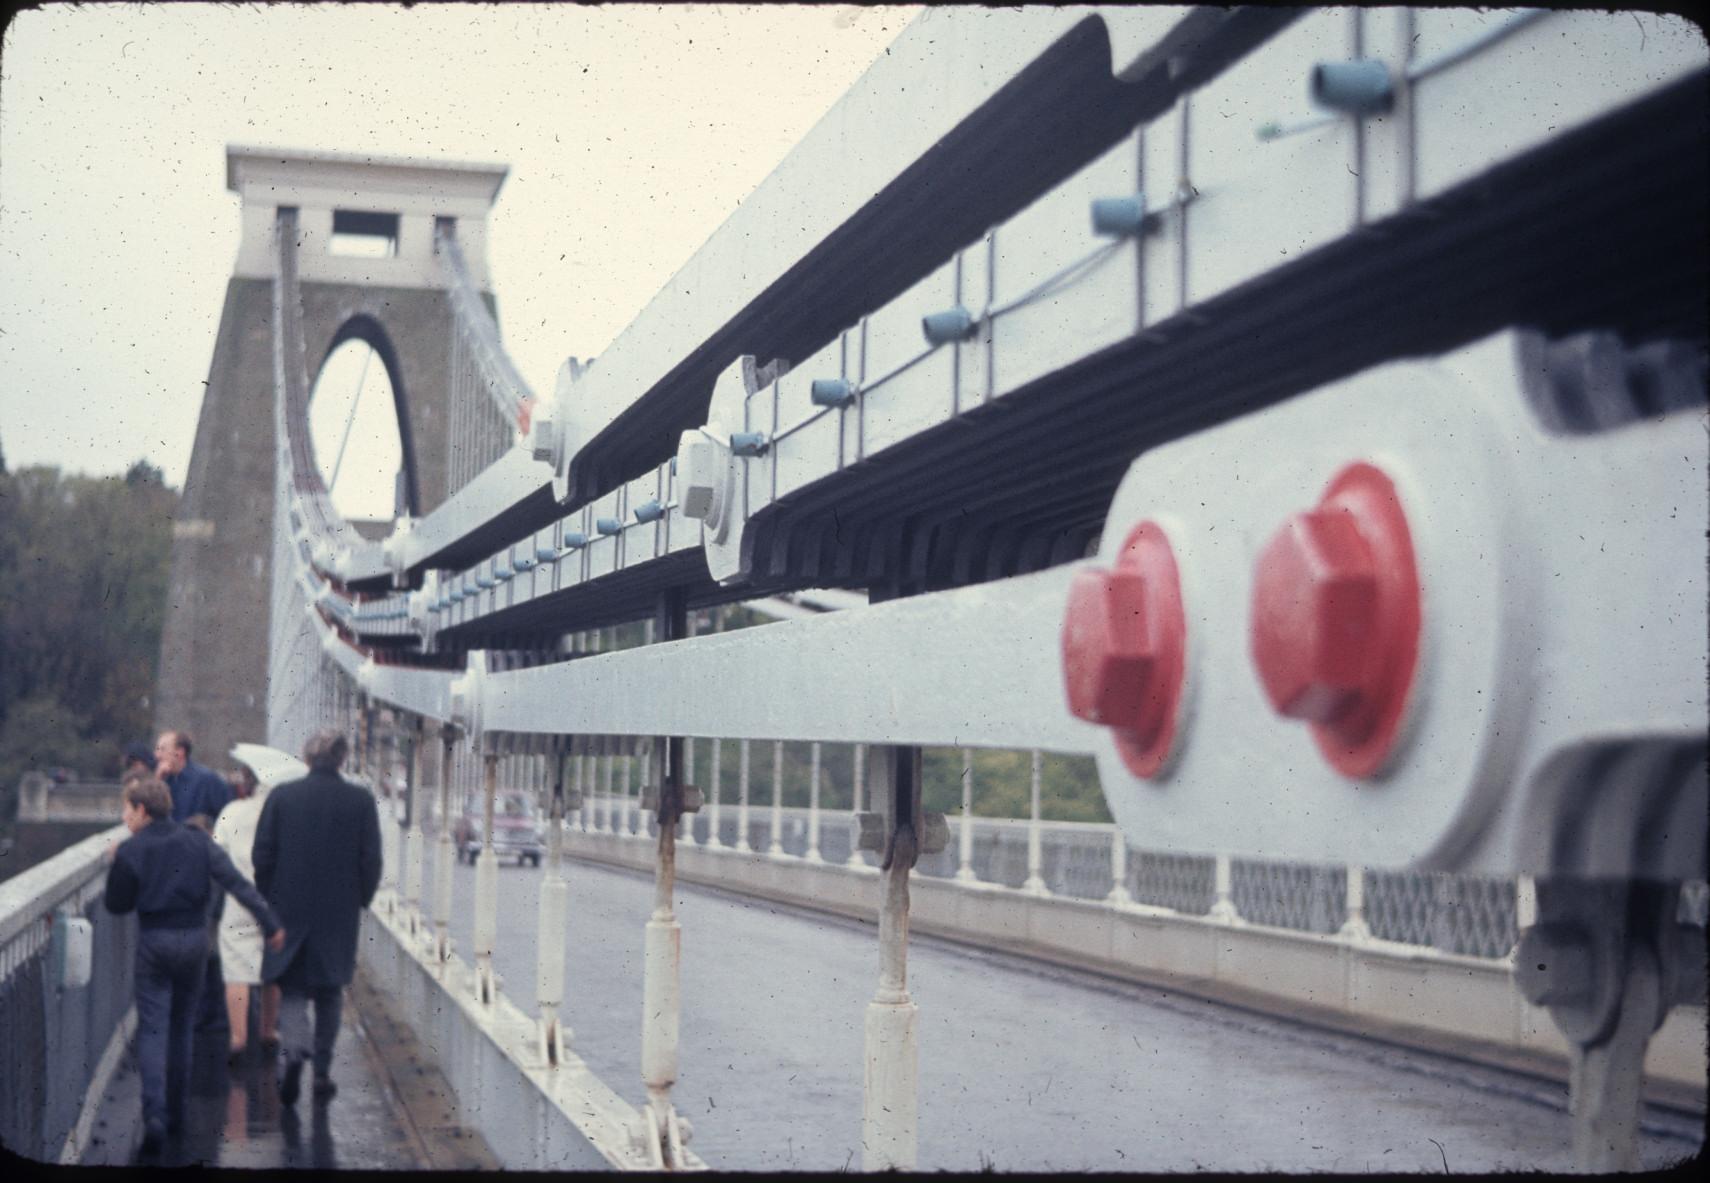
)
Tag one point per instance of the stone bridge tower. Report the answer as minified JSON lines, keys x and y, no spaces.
{"x":213,"y":666}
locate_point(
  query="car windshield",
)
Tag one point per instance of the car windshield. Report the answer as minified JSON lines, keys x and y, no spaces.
{"x":514,"y":805}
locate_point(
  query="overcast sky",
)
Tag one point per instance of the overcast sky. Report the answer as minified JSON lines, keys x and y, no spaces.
{"x":631,"y":132}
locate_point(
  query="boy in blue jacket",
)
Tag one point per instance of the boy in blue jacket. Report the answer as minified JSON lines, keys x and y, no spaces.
{"x":166,"y":872}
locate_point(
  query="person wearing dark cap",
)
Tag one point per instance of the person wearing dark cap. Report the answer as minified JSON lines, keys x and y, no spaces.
{"x":137,"y":759}
{"x":166,"y":873}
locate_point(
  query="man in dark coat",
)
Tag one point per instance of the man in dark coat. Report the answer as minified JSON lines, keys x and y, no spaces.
{"x":317,"y":860}
{"x":166,"y":873}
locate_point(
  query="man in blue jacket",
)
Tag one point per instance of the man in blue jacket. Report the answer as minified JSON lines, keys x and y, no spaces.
{"x":165,"y":872}
{"x":194,"y":789}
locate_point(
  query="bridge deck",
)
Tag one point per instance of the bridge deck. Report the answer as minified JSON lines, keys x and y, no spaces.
{"x":1022,"y":1066}
{"x":393,"y":1110}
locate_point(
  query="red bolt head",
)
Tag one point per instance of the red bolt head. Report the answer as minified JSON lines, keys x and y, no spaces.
{"x":1314,"y":603}
{"x":1107,"y":656}
{"x":1335,"y":628}
{"x":1124,"y":642}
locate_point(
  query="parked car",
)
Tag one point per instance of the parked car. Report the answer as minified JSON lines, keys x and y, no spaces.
{"x":517,"y":829}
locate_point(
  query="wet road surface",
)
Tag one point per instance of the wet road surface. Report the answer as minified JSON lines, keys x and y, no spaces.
{"x":1023,"y":1066}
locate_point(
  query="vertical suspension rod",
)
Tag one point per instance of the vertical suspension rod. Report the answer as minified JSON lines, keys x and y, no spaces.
{"x":661,"y":984}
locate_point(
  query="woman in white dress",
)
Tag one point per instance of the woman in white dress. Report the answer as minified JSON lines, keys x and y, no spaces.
{"x":240,"y":934}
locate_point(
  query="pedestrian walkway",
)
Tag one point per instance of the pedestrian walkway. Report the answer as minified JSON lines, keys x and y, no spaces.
{"x":392,"y":1112}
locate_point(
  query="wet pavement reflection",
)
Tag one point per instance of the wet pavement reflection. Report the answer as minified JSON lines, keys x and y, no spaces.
{"x":234,"y":1117}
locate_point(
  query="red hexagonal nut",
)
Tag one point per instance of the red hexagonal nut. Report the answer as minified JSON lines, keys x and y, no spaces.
{"x":1314,"y":602}
{"x":1107,"y":655}
{"x":1335,"y":626}
{"x":1124,"y":647}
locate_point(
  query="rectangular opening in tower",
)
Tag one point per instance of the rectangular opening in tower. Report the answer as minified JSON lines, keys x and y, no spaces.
{"x":364,"y":234}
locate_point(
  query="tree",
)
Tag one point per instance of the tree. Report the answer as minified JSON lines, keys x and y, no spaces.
{"x":83,"y":573}
{"x":141,"y":472}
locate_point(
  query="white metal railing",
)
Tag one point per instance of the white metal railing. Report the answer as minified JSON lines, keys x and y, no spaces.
{"x":65,"y":999}
{"x":1090,"y":861}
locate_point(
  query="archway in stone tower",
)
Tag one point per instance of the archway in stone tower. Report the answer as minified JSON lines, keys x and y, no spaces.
{"x":359,"y":422}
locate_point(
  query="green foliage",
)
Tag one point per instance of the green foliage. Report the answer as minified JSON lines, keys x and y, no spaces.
{"x":1003,"y":785}
{"x":1003,"y":780}
{"x":84,"y":563}
{"x":40,"y":733}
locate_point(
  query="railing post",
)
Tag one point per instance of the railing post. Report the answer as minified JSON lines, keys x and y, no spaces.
{"x":813,"y":855}
{"x":776,"y":847}
{"x":686,"y":828}
{"x":1223,"y":887}
{"x":604,"y":819}
{"x":713,"y":812}
{"x":1118,"y":896}
{"x":965,"y":835}
{"x":391,"y":855}
{"x":413,"y":818}
{"x":632,"y":823}
{"x":742,"y":843}
{"x":444,"y":851}
{"x":1525,"y":902}
{"x":891,"y":1077}
{"x":857,"y":779}
{"x":686,"y":832}
{"x":1035,"y":882}
{"x":662,"y":964}
{"x":575,"y":759}
{"x":554,"y":905}
{"x":1354,"y":928}
{"x":486,"y":886}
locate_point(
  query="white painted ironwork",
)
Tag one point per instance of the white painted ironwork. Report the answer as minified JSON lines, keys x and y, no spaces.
{"x":1035,"y":884}
{"x":776,"y":845}
{"x":965,"y":831}
{"x":1041,"y":304}
{"x":742,"y":800}
{"x":486,"y":887}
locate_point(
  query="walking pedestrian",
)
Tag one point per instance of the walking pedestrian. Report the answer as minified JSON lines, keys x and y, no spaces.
{"x":165,"y":872}
{"x":317,"y":859}
{"x":240,"y":932}
{"x":194,"y":788}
